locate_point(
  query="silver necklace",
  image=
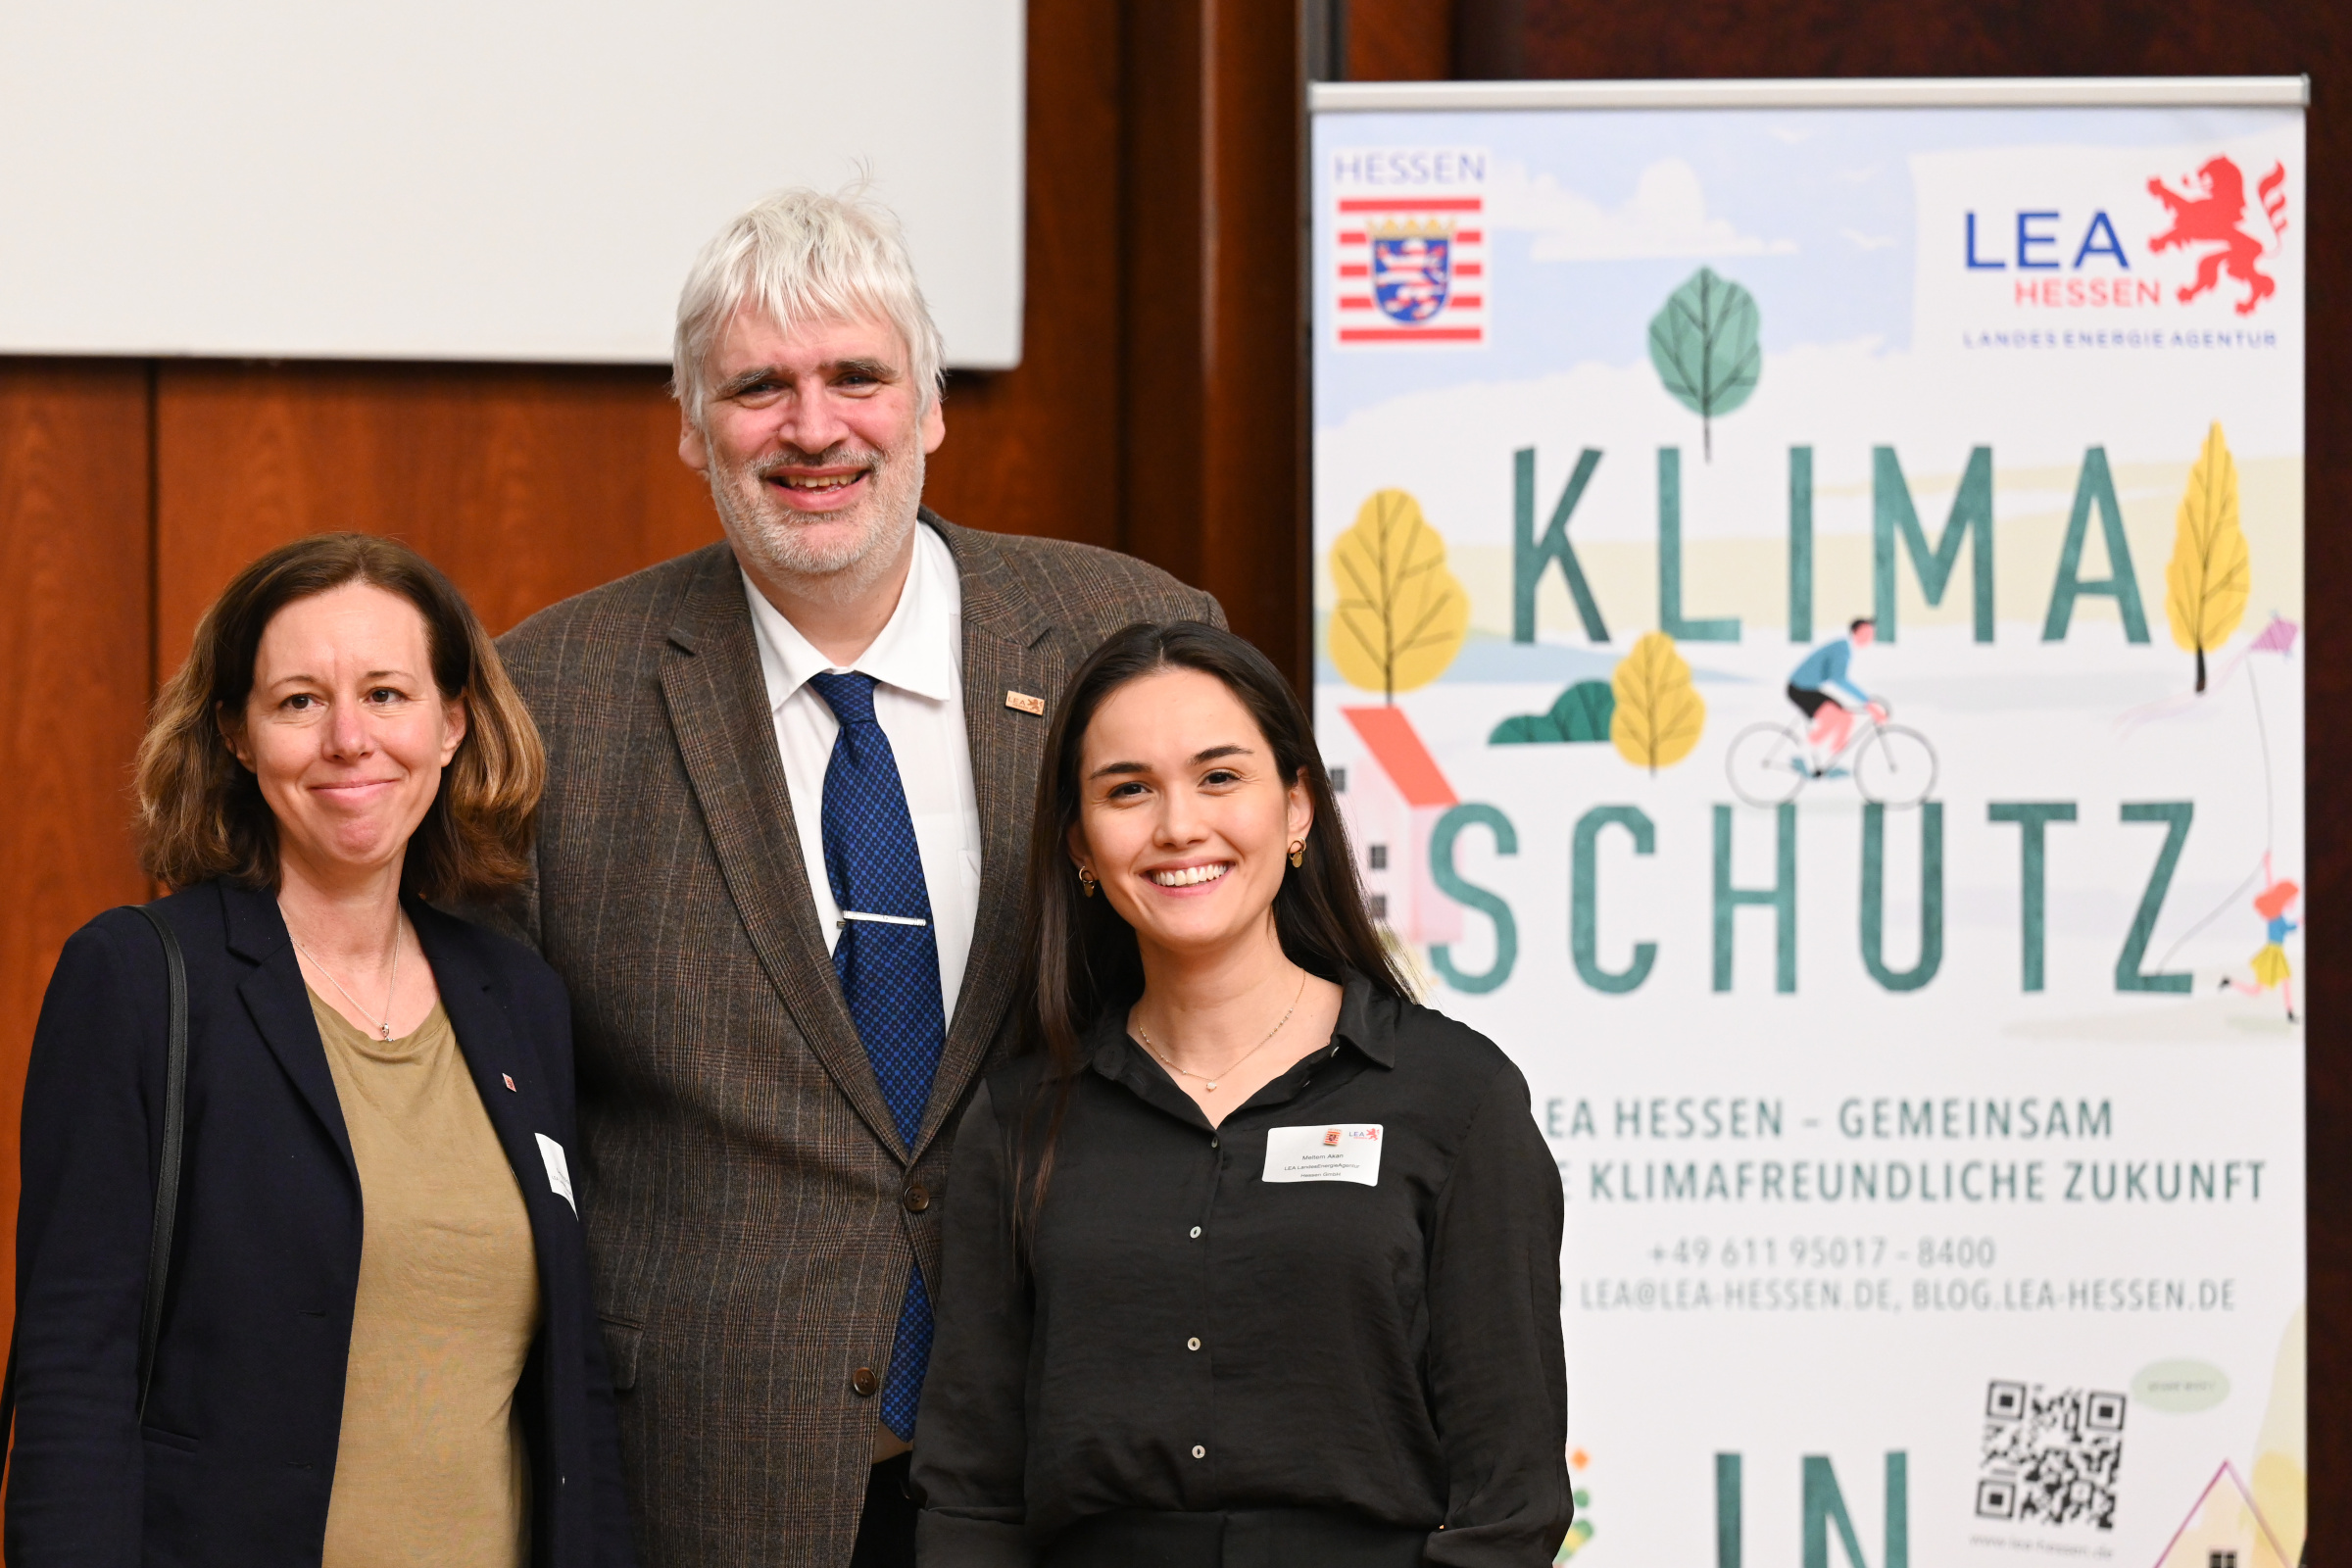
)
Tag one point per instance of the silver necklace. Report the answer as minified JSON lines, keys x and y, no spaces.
{"x":1144,"y":1035}
{"x":385,"y":1026}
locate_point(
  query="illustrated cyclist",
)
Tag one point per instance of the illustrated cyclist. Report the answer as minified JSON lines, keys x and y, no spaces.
{"x":1823,"y":687}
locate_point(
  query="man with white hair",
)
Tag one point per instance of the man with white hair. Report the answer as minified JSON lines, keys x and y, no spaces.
{"x":790,"y":782}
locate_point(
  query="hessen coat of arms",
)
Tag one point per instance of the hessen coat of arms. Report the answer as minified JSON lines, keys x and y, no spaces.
{"x":1412,"y":267}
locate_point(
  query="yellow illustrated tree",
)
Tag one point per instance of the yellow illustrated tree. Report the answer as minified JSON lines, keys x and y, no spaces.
{"x":1401,"y":612}
{"x":2206,"y":582}
{"x":1659,"y":713}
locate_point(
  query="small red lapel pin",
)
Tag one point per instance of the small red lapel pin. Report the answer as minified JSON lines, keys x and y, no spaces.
{"x":508,"y":1079}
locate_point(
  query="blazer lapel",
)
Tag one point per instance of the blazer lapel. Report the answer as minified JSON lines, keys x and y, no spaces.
{"x":505,"y":1075}
{"x":1008,"y":648}
{"x":718,"y":710}
{"x":279,"y":1003}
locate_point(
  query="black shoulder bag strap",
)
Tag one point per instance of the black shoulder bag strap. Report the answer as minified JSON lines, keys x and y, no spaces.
{"x":167,"y":1170}
{"x":166,"y":1187}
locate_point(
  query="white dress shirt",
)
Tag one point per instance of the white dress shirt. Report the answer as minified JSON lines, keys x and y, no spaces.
{"x":918,"y":665}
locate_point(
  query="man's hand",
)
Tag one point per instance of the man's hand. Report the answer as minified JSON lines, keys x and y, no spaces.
{"x":1877,"y":712}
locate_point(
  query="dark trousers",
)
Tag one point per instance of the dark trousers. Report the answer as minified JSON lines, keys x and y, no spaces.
{"x":1235,"y":1537}
{"x":886,"y":1530}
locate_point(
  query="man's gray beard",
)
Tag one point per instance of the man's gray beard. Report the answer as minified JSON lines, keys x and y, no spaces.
{"x":780,"y":549}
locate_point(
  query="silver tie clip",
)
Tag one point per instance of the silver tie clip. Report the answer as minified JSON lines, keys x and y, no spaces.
{"x":846,"y":915}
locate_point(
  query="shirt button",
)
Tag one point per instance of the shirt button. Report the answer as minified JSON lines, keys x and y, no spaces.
{"x":863,"y":1383}
{"x":1213,"y":1143}
{"x":1199,"y":1452}
{"x":1192,"y":1345}
{"x":1196,"y":1233}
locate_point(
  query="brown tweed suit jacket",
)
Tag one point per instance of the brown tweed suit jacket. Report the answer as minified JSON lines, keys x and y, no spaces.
{"x":751,"y":1210}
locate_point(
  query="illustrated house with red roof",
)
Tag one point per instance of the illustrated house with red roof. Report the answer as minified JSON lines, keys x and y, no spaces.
{"x":2225,"y":1529}
{"x":1391,"y":802}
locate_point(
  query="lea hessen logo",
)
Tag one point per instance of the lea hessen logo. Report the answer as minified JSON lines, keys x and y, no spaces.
{"x":2209,"y":223}
{"x":2217,"y":217}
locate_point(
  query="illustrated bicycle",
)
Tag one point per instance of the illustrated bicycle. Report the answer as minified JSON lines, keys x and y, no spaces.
{"x":1892,"y":765}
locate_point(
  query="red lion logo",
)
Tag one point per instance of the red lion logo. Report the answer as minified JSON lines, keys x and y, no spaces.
{"x":2213,"y":219}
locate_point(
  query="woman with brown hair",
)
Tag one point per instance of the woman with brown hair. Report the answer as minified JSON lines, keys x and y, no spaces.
{"x":1250,"y":1259}
{"x":306,"y":1285}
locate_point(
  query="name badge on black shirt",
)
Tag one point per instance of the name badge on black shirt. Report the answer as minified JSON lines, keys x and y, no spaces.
{"x":1349,"y":1152}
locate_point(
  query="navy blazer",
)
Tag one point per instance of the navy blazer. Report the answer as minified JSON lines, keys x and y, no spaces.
{"x":234,"y":1461}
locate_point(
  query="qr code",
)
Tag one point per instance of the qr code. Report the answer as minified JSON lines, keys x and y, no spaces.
{"x":2050,"y":1454}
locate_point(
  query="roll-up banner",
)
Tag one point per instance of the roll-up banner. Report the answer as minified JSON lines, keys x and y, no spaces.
{"x":1809,"y":607}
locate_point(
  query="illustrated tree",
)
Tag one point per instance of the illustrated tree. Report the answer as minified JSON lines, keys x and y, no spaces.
{"x":2206,"y":582}
{"x":1401,"y":613}
{"x":1659,"y":714}
{"x":1705,"y":345}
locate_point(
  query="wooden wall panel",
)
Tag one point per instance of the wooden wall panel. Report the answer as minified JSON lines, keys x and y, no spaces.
{"x":1399,"y":40}
{"x":524,"y":484}
{"x":74,"y":661}
{"x":1732,"y":38}
{"x":1166,"y":240}
{"x":1578,"y":38}
{"x":1217,"y":345}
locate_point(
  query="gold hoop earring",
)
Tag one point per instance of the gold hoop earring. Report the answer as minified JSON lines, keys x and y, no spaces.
{"x":1086,"y":882}
{"x":1297,"y":852}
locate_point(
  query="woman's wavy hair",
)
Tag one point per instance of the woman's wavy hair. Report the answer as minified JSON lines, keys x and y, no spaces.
{"x":201,"y":811}
{"x":1079,"y":958}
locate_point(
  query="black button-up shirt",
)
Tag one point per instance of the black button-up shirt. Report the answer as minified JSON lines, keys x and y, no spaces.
{"x":1191,"y":1337}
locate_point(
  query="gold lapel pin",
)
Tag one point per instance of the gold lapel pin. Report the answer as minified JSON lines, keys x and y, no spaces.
{"x":1026,"y":703}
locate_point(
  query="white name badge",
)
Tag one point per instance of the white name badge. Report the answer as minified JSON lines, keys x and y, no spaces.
{"x":1346,"y":1152}
{"x":559,"y":1173}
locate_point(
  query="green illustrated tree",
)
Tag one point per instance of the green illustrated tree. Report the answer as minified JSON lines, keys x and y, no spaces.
{"x":1705,"y":345}
{"x":1579,"y":715}
{"x":1401,"y":612}
{"x":1659,"y":714}
{"x":2208,"y":578}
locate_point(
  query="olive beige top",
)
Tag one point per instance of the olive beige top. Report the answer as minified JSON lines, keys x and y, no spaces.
{"x":433,"y":1466}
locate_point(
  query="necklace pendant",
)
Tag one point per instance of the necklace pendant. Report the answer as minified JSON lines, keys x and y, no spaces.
{"x":1213,"y":1088}
{"x":386,"y":1028}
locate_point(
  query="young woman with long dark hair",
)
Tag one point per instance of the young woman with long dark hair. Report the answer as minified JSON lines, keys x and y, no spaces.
{"x":1248,"y":1258}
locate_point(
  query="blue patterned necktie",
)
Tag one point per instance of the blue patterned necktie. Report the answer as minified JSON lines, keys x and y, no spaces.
{"x":889,"y":968}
